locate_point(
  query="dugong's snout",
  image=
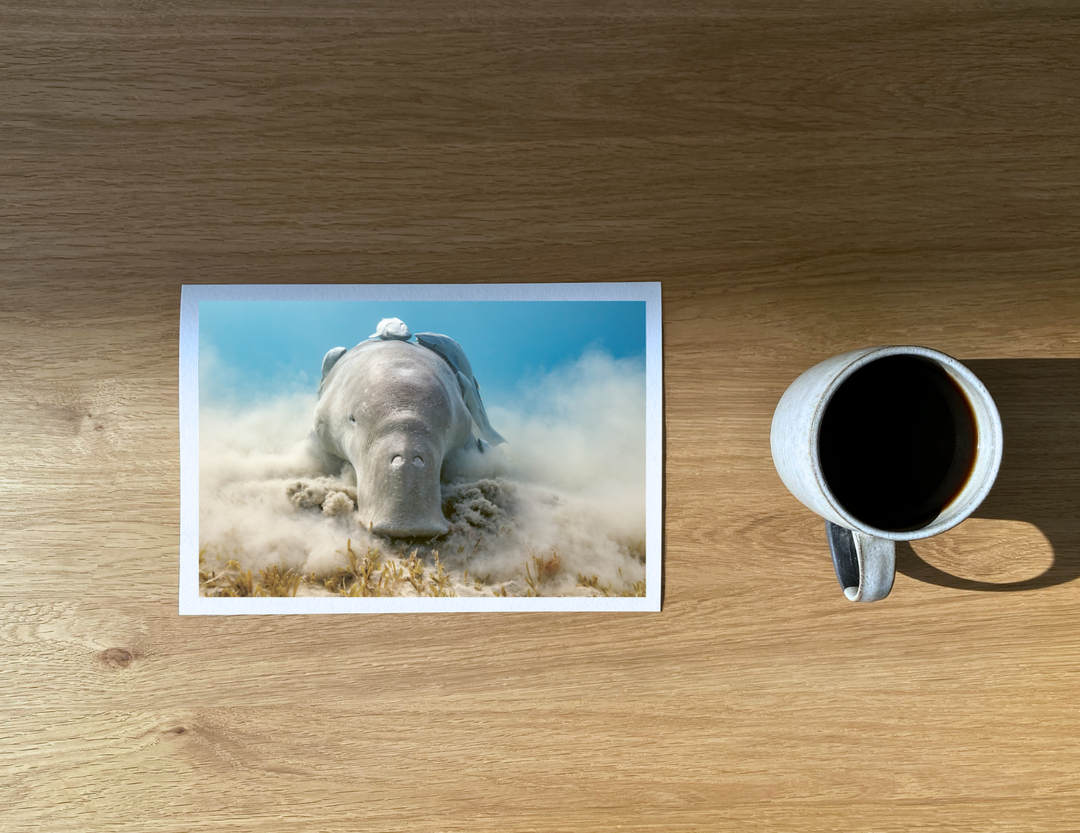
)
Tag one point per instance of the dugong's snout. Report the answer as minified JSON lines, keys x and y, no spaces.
{"x":421,"y":529}
{"x":405,"y":498}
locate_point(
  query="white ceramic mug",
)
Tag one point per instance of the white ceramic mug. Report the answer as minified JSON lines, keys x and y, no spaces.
{"x":821,"y":454}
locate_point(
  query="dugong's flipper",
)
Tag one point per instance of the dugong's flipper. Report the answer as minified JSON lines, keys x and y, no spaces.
{"x":330,"y":359}
{"x":451,"y":351}
{"x":391,"y":328}
{"x":448,"y":349}
{"x":476,"y":409}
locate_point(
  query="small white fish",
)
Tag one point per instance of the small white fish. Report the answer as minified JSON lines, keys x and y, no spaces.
{"x":391,"y":328}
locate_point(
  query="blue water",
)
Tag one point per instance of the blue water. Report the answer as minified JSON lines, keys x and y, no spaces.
{"x":263,"y":349}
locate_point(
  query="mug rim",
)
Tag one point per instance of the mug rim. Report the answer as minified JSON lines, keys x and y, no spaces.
{"x":945,"y":520}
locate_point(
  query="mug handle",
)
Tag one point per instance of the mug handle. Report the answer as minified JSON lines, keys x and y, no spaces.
{"x":864,"y":564}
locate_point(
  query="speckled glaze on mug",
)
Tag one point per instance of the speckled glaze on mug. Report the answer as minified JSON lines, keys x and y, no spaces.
{"x":864,"y":556}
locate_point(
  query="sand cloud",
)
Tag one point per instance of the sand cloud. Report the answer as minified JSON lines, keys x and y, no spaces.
{"x":565,"y":514}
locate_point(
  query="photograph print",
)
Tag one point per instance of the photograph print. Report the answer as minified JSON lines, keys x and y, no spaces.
{"x":420,"y":448}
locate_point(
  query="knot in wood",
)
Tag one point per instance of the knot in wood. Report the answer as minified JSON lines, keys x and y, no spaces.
{"x":117,"y":657}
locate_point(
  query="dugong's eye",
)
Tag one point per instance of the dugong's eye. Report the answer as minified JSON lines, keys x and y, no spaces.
{"x":352,"y":419}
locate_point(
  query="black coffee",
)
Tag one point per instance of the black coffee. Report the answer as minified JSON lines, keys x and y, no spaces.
{"x":897,"y":442}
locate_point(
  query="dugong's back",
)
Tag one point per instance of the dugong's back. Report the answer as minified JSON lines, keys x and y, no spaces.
{"x":382,"y":383}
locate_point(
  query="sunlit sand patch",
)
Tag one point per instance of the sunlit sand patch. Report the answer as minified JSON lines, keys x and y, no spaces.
{"x":989,"y":550}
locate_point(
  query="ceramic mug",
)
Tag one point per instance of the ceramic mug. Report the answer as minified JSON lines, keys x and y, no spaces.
{"x":886,"y":444}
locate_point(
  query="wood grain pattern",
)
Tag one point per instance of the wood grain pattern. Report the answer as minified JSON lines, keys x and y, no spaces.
{"x":803,"y":178}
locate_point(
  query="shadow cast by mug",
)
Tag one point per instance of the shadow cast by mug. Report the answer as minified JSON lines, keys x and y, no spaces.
{"x":1039,"y":479}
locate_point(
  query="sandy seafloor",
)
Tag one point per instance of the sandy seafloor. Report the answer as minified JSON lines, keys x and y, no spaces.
{"x":505,"y":538}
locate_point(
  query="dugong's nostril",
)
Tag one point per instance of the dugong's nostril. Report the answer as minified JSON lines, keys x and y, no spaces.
{"x":397,"y":461}
{"x":418,"y":461}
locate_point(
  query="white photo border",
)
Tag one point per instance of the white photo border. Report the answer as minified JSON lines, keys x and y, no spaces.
{"x":192,"y":604}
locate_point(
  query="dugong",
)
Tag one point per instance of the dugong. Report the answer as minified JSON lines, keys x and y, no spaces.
{"x":395,"y":411}
{"x":451,"y":351}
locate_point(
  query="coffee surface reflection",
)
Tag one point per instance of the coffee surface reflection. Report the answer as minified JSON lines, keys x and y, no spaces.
{"x":897,"y":443}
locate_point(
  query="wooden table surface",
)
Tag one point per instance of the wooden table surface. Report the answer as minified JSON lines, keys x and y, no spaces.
{"x":804,"y":179}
